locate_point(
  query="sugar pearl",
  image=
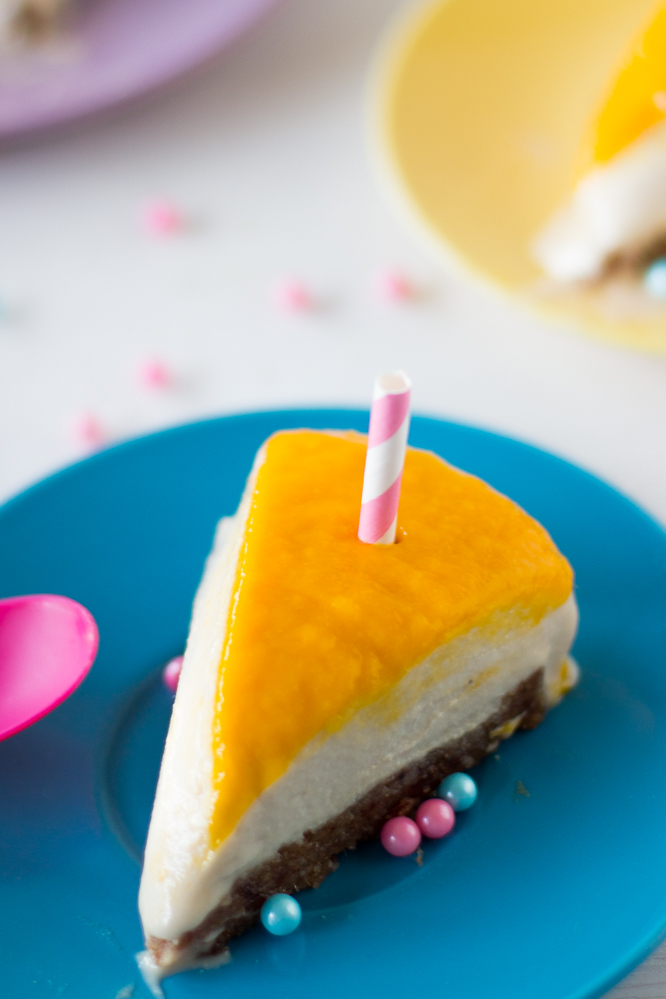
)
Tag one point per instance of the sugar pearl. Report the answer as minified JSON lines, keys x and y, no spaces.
{"x":280,"y":914}
{"x":88,"y":430}
{"x":435,"y":818}
{"x":161,"y":218}
{"x":391,"y":286}
{"x":400,"y":836}
{"x":171,"y":673}
{"x":654,"y":279}
{"x":292,"y":296}
{"x":459,"y":790}
{"x":154,"y":374}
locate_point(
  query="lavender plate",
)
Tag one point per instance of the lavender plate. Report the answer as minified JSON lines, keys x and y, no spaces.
{"x":116,"y":49}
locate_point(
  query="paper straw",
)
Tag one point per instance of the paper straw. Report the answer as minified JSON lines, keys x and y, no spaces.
{"x":387,"y":440}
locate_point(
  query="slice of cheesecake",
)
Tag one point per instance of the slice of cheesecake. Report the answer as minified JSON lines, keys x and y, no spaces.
{"x":30,"y":20}
{"x":613,"y":224}
{"x":329,"y":684}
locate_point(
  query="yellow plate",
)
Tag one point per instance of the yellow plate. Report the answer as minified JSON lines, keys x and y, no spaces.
{"x":481,"y":106}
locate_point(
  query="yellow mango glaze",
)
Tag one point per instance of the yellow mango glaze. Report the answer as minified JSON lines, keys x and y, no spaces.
{"x":637,"y":99}
{"x":321,"y":624}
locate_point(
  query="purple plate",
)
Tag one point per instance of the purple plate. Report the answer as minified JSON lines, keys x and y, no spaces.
{"x":115,"y":50}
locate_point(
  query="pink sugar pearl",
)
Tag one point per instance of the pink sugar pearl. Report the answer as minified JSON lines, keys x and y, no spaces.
{"x":391,"y":286}
{"x":161,"y":218}
{"x":171,"y":673}
{"x":292,"y":296}
{"x":88,"y":430}
{"x":400,"y":836}
{"x":435,"y":818}
{"x":154,"y":374}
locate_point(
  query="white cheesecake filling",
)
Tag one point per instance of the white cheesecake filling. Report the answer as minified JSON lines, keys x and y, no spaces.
{"x":450,"y":693}
{"x":616,"y":208}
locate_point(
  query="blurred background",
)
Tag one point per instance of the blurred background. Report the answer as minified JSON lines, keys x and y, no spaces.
{"x":265,"y":151}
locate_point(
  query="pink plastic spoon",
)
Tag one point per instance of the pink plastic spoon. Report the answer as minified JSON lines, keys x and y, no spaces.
{"x":47,"y":645}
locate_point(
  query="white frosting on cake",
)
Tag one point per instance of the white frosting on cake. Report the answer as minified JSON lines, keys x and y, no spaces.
{"x":451,"y":692}
{"x":615,"y":208}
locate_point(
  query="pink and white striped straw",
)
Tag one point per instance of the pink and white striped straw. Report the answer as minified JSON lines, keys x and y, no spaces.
{"x":387,"y":440}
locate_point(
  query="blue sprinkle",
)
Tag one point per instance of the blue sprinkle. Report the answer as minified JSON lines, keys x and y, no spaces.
{"x":654,"y":278}
{"x":459,"y":790}
{"x":280,"y":914}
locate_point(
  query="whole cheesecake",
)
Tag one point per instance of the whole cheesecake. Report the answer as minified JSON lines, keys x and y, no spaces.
{"x":329,"y":685}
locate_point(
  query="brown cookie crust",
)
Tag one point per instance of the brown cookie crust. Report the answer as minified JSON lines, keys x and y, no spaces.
{"x":306,"y":863}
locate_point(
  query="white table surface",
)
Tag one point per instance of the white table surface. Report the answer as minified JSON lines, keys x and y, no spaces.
{"x":265,"y":149}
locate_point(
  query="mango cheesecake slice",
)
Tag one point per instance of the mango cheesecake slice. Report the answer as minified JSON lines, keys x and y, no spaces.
{"x":329,"y":685}
{"x":30,"y":20}
{"x":614,"y":223}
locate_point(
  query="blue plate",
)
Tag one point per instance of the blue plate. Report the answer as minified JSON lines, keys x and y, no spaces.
{"x":552,"y":887}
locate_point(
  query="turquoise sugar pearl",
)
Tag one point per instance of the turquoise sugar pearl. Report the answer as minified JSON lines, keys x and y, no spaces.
{"x":654,"y":279}
{"x":280,"y":914}
{"x":459,"y":790}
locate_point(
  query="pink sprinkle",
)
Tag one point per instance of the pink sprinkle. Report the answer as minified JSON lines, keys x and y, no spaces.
{"x":171,"y":673}
{"x":161,"y":218}
{"x":400,"y":836}
{"x":88,"y":430}
{"x":435,"y":818}
{"x":292,"y":296}
{"x":154,"y":374}
{"x":391,"y":286}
